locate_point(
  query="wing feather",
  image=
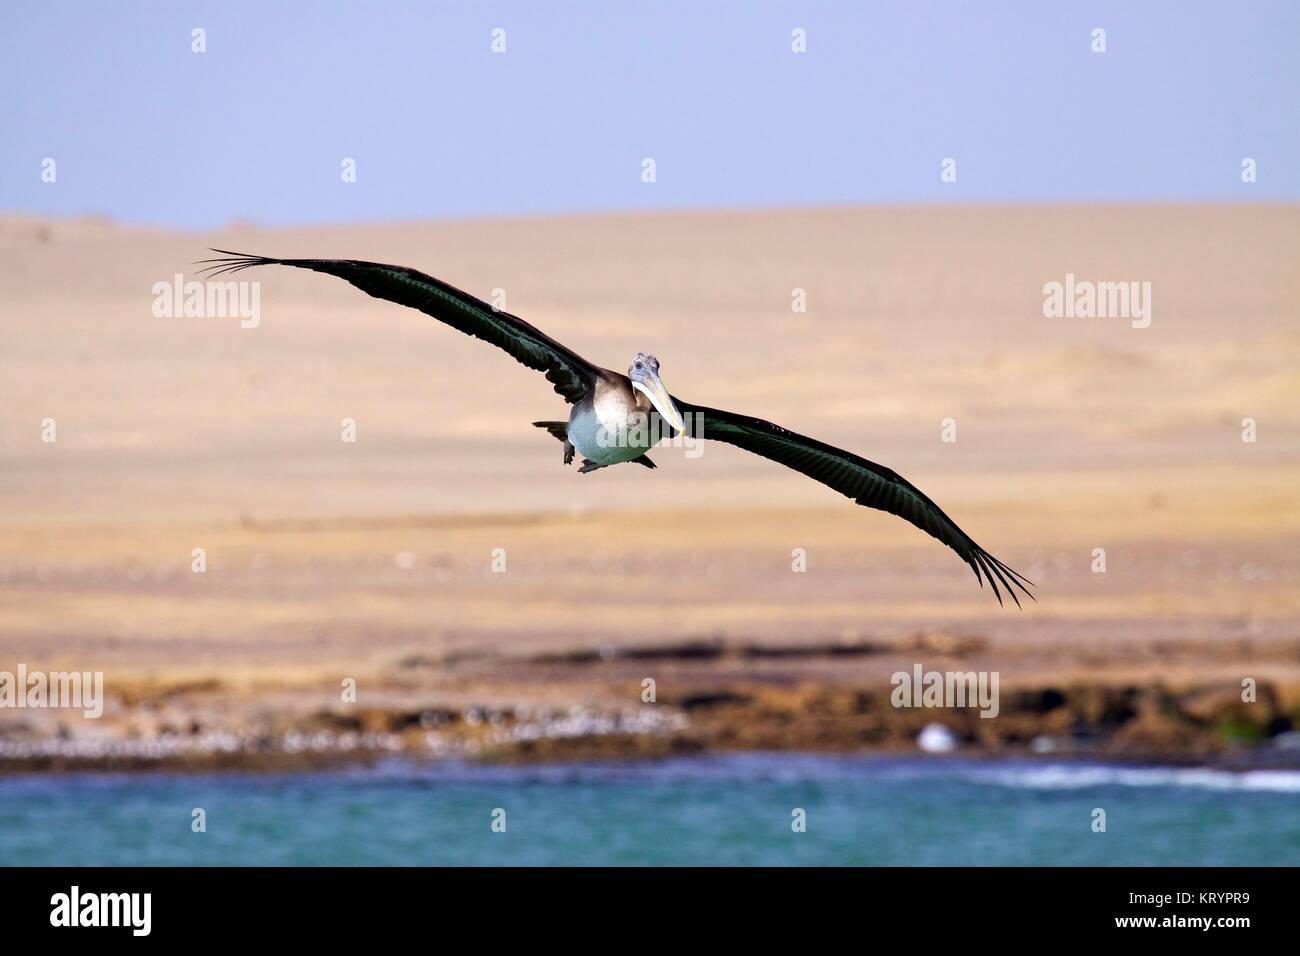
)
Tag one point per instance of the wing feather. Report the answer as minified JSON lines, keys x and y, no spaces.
{"x":866,"y":482}
{"x":570,"y":374}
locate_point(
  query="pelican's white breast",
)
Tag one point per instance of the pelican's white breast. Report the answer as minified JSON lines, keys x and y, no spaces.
{"x":600,"y":432}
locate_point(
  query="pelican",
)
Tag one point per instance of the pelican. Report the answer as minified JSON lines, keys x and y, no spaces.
{"x":618,"y":418}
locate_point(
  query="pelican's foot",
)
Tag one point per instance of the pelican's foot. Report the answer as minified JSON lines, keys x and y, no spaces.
{"x":588,"y":465}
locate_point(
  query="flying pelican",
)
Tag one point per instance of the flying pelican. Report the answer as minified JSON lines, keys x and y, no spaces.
{"x":618,"y":418}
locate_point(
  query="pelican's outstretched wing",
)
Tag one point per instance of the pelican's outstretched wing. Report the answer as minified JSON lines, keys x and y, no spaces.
{"x":571,"y":374}
{"x":864,"y":481}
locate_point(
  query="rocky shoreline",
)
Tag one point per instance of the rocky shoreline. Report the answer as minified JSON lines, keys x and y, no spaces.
{"x":708,"y":698}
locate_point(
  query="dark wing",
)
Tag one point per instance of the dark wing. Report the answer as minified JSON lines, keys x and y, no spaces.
{"x":864,"y":481}
{"x":571,"y":374}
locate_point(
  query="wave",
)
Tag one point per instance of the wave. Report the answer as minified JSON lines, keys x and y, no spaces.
{"x":1075,"y":777}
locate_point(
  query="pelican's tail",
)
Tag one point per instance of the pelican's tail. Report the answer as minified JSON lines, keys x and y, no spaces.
{"x":559,"y":429}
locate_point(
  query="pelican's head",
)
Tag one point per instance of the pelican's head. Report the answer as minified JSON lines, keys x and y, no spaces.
{"x":644,"y":373}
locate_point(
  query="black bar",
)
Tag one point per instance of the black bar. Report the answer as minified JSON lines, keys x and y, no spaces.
{"x":978,"y":906}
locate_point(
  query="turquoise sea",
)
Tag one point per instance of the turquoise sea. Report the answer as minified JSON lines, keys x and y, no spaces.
{"x":707,"y":810}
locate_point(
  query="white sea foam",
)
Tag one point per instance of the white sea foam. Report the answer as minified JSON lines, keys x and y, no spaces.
{"x":1075,"y":777}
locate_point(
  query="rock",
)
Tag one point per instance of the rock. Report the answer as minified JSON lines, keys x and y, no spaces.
{"x":936,"y":739}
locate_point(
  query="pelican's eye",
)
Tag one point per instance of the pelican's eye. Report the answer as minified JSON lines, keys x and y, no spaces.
{"x":638,"y":365}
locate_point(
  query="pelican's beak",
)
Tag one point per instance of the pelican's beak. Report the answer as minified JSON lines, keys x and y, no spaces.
{"x":662,"y":401}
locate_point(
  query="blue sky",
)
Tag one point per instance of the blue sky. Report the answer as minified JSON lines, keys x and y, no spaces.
{"x":146,"y":131}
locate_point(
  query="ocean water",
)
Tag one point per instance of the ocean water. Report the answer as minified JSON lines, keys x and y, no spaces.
{"x":706,"y":810}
